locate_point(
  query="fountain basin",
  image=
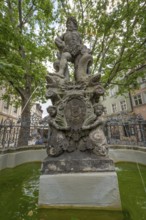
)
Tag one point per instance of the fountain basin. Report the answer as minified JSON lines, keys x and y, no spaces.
{"x":19,"y":196}
{"x":33,"y":154}
{"x":121,"y":153}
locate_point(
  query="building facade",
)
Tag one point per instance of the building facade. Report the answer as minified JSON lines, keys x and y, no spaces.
{"x":36,"y":110}
{"x":139,"y":98}
{"x":114,"y":104}
{"x":10,"y":111}
{"x":7,"y":110}
{"x":131,"y":102}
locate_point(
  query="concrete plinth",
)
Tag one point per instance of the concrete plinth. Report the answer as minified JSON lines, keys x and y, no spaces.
{"x":98,"y":190}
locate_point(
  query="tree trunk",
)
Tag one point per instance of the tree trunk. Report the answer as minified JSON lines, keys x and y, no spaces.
{"x":24,"y":132}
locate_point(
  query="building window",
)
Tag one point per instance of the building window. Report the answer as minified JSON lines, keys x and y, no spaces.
{"x":6,"y":104}
{"x":113,"y":91}
{"x":129,"y":130}
{"x":137,"y":99}
{"x":114,"y":108}
{"x":126,"y":130}
{"x":15,"y":109}
{"x":123,"y":105}
{"x":115,"y":132}
{"x":105,"y":111}
{"x":144,"y":97}
{"x":143,"y":79}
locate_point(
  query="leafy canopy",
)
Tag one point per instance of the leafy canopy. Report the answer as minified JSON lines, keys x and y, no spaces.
{"x":115,"y":31}
{"x":25,"y":45}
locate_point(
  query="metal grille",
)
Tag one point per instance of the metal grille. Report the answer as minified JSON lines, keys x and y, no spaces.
{"x":126,"y":130}
{"x":9,"y":131}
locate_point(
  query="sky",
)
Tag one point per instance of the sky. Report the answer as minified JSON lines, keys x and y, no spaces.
{"x":44,"y":107}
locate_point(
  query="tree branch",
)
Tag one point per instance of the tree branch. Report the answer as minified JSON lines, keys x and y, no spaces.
{"x":98,"y":57}
{"x":89,"y":3}
{"x":10,"y":11}
{"x":82,"y":11}
{"x":135,"y":70}
{"x":64,"y":8}
{"x":94,"y":44}
{"x":29,"y":13}
{"x":20,"y":15}
{"x":18,"y":90}
{"x":105,"y":51}
{"x":116,"y":67}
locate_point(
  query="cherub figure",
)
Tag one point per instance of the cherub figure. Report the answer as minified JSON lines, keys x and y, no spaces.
{"x":56,"y":119}
{"x":57,"y":140}
{"x":97,"y":135}
{"x":98,"y":110}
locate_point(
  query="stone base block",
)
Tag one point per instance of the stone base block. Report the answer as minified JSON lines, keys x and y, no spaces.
{"x":98,"y":190}
{"x":77,"y":162}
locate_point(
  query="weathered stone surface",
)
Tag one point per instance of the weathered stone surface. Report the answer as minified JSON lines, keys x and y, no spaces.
{"x":77,"y":170}
{"x":75,"y":117}
{"x":98,"y":190}
{"x":77,"y":162}
{"x":71,"y":49}
{"x":75,"y":111}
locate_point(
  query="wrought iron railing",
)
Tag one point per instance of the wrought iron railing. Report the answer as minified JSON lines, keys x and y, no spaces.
{"x":10,"y":130}
{"x":119,"y":130}
{"x":126,"y":130}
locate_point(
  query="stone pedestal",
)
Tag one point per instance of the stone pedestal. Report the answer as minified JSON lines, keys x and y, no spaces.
{"x":98,"y":189}
{"x":79,"y":179}
{"x":77,"y":162}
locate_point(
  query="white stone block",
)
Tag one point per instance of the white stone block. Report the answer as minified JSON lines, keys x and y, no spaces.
{"x":80,"y":189}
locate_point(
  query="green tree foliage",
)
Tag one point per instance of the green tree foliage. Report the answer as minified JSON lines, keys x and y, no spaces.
{"x":25,"y":43}
{"x":115,"y":30}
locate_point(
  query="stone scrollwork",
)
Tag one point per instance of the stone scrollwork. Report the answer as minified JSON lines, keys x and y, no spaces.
{"x":76,"y":122}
